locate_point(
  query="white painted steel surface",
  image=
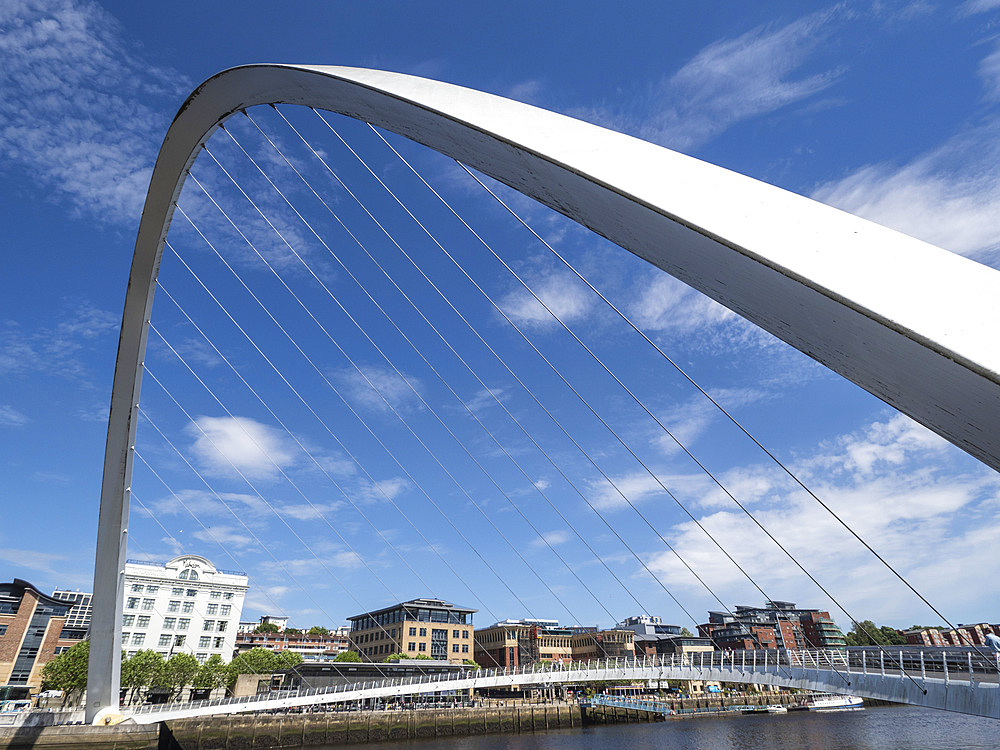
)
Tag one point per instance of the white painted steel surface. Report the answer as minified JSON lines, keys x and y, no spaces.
{"x":973,"y":692}
{"x":903,"y":319}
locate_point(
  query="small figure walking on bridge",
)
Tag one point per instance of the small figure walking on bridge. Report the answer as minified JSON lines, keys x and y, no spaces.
{"x":993,"y":641}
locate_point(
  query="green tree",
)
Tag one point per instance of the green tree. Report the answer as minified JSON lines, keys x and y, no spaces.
{"x":396,"y":657}
{"x":214,"y":673}
{"x":318,"y":630}
{"x":262,"y":661}
{"x":292,"y":631}
{"x":422,"y":656}
{"x":348,"y":656}
{"x":867,"y":633}
{"x":686,"y":633}
{"x":68,"y":671}
{"x":144,"y":670}
{"x":180,"y":670}
{"x":267,"y":627}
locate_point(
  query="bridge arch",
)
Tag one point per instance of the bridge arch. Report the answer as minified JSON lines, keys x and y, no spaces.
{"x":899,"y":317}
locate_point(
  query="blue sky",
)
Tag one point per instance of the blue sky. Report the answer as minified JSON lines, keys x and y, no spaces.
{"x":886,"y":109}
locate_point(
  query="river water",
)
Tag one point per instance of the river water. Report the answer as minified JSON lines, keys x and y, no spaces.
{"x":883,"y":728}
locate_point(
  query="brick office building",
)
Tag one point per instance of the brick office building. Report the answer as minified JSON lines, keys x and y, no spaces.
{"x":32,"y":631}
{"x":420,"y":627}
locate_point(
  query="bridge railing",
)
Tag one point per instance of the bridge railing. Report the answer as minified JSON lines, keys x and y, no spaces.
{"x":947,"y":664}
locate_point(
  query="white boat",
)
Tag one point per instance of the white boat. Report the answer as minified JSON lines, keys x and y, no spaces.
{"x":777,"y":709}
{"x":832,"y":702}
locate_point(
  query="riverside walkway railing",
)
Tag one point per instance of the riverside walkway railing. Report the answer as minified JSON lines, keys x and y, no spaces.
{"x":922,"y":676}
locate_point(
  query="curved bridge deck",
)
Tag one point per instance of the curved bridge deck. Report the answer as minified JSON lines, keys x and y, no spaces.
{"x":951,"y":679}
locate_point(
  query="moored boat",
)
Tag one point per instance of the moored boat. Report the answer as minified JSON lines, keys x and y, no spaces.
{"x":830,"y":703}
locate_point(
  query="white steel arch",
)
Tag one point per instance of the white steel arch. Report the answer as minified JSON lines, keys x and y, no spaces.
{"x":901,"y":318}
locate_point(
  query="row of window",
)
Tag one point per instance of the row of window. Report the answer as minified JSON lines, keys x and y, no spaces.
{"x":201,"y":657}
{"x":386,"y":648}
{"x":166,"y":639}
{"x":392,"y":633}
{"x":175,"y":605}
{"x":138,"y":588}
{"x":402,"y":615}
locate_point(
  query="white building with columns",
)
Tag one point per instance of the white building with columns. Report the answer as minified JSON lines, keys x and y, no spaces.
{"x":186,"y":605}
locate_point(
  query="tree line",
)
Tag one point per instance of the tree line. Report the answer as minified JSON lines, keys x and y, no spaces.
{"x":148,"y":670}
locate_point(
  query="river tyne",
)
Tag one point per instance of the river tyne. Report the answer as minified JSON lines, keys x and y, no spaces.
{"x":882,"y":728}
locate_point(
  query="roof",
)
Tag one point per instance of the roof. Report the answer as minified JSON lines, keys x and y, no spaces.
{"x":412,"y":604}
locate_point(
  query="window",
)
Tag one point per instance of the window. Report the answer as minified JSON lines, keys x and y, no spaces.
{"x":411,"y":646}
{"x":184,"y":623}
{"x":222,"y":626}
{"x":177,"y":591}
{"x":454,"y":634}
{"x":219,"y":642}
{"x":188,"y":607}
{"x":174,"y":605}
{"x":465,"y":648}
{"x":228,"y":595}
{"x":454,"y":648}
{"x":191,"y":592}
{"x":152,"y":589}
{"x":148,"y":603}
{"x":131,"y":654}
{"x":423,"y":631}
{"x":125,"y":638}
{"x":465,"y":633}
{"x":138,"y":638}
{"x":179,"y":640}
{"x":132,"y":603}
{"x":225,"y":609}
{"x":3,"y":629}
{"x":209,"y":625}
{"x":423,"y":646}
{"x":212,"y":609}
{"x":202,"y":658}
{"x":215,"y":595}
{"x":137,"y":588}
{"x":413,"y":631}
{"x":204,"y":641}
{"x":169,"y":622}
{"x":164,"y":640}
{"x":143,"y":621}
{"x":127,"y":621}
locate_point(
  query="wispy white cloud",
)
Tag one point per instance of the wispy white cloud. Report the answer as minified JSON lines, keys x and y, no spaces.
{"x":379,"y":389}
{"x":565,"y":298}
{"x":670,"y":311}
{"x":19,"y":559}
{"x":228,"y":536}
{"x":949,"y":196}
{"x":896,"y":484}
{"x":638,"y":487}
{"x":552,"y":538}
{"x":384,"y":488}
{"x":51,"y":47}
{"x":729,"y":81}
{"x":224,"y":445}
{"x":11,"y":417}
{"x":58,"y":348}
{"x":978,"y":6}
